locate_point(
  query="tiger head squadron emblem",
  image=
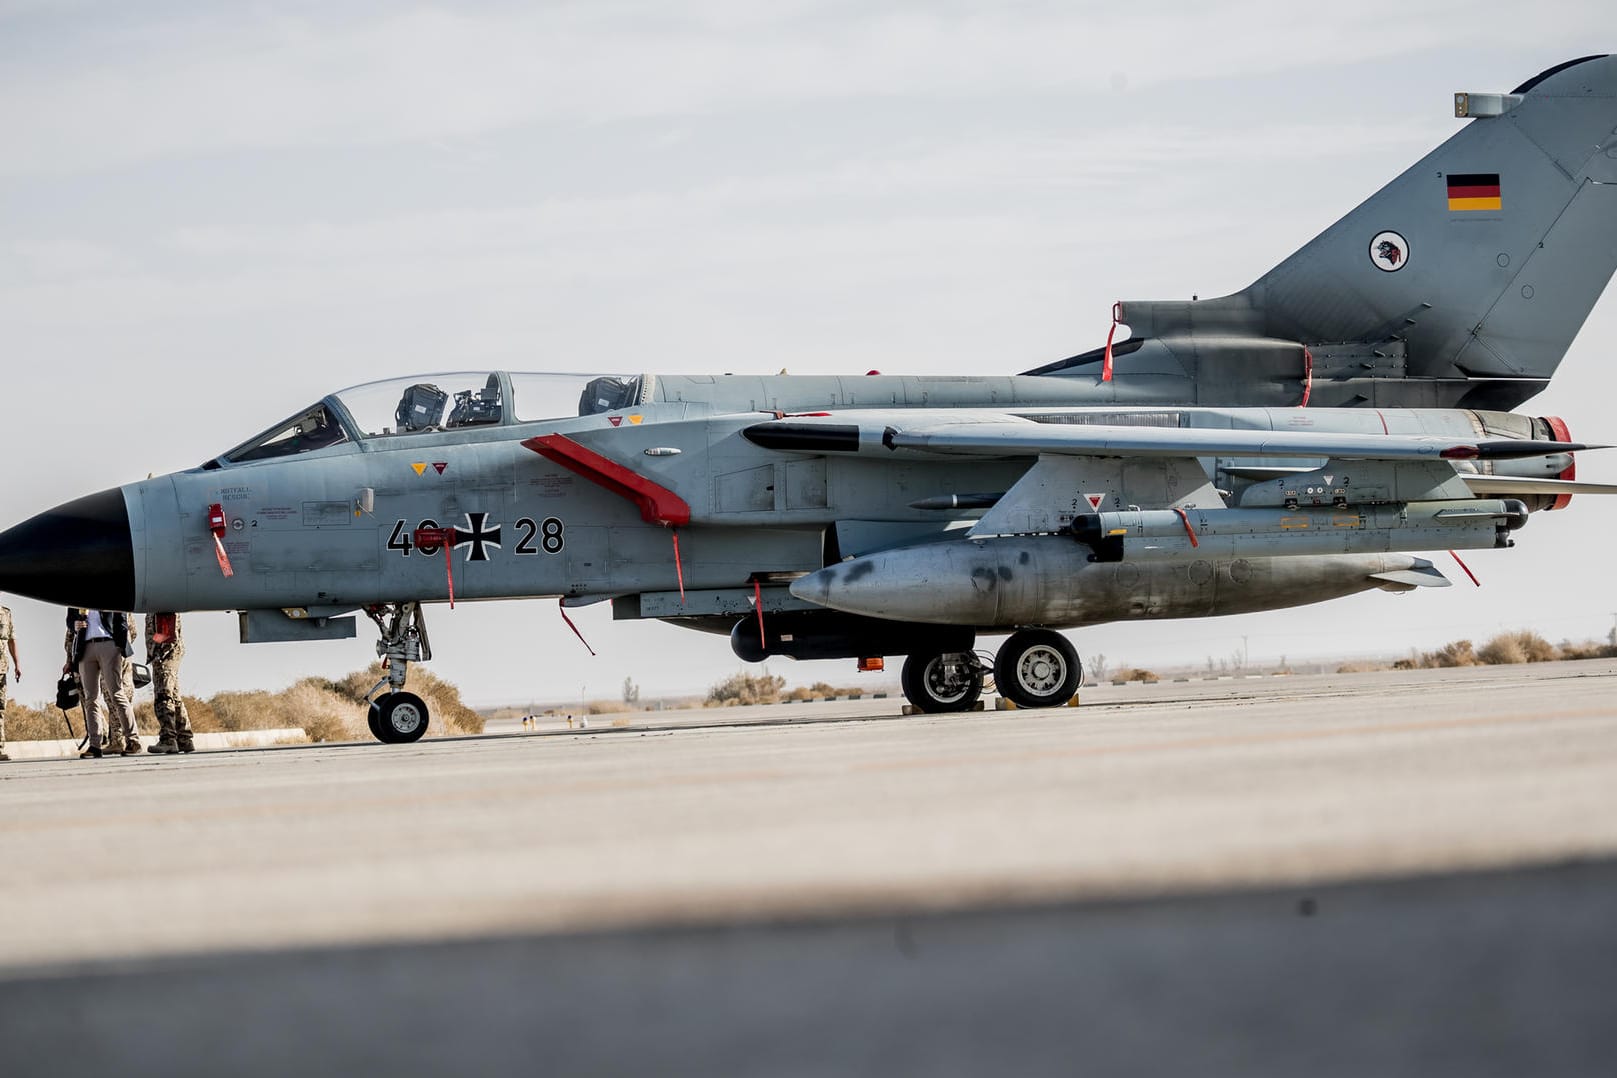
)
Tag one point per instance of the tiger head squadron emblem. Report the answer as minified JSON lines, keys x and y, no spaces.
{"x":1389,"y":251}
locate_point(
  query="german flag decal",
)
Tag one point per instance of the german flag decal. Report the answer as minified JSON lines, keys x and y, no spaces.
{"x":1474,"y":191}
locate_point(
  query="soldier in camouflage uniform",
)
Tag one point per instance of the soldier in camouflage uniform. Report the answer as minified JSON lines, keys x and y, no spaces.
{"x":164,"y":647}
{"x":8,"y":648}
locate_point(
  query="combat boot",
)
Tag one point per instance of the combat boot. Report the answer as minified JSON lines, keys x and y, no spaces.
{"x":91,"y":753}
{"x":163,"y":747}
{"x":3,"y":755}
{"x":186,"y":745}
{"x":133,"y":748}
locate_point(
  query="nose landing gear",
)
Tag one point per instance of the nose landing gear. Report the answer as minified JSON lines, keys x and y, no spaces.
{"x":397,"y":717}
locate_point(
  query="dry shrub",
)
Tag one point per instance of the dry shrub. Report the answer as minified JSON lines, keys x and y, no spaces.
{"x":1136,"y":673}
{"x":1517,"y":647}
{"x":1454,"y":653}
{"x":24,"y":723}
{"x":1588,"y":649}
{"x":607,"y":707}
{"x":1367,"y":667}
{"x":745,"y":688}
{"x":200,"y":712}
{"x":251,"y":709}
{"x":1503,"y":650}
{"x":324,"y":715}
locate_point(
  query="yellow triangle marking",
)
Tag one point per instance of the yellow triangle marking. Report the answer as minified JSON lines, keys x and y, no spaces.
{"x":635,"y":419}
{"x":419,"y":468}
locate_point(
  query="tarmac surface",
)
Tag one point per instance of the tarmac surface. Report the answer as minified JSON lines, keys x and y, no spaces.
{"x":1376,"y":873}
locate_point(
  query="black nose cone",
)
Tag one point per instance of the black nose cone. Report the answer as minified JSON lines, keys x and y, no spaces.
{"x":78,"y":554}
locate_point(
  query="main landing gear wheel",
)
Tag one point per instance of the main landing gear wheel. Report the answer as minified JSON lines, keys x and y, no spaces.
{"x":939,"y":682}
{"x":1037,"y":668}
{"x":398,"y":718}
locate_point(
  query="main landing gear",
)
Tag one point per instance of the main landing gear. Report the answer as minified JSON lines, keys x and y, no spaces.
{"x":398,"y":717}
{"x":1037,"y":668}
{"x":943,"y":681}
{"x":1034,"y":668}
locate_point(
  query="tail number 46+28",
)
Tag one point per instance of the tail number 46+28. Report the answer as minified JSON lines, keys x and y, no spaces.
{"x":548,"y":536}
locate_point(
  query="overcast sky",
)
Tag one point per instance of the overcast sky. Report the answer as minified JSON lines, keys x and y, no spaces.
{"x":213,"y":213}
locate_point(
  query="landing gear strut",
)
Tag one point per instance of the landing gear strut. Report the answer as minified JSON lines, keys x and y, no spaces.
{"x":398,"y":717}
{"x":937,"y":682}
{"x":1037,"y":668}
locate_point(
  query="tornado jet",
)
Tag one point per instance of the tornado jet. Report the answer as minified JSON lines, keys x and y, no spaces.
{"x":1306,"y":438}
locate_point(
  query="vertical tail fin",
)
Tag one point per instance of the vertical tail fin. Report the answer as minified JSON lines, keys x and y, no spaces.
{"x":1460,"y":283}
{"x":1487,"y":255}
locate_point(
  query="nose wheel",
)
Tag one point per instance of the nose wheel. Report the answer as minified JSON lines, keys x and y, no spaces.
{"x":1037,"y":668}
{"x":397,"y":717}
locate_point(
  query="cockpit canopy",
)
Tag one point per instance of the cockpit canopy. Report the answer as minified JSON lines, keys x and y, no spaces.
{"x":401,"y":407}
{"x":312,"y":428}
{"x":431,"y":403}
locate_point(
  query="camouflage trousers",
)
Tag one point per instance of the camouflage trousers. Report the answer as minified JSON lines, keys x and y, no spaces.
{"x":5,"y":675}
{"x":173,"y":724}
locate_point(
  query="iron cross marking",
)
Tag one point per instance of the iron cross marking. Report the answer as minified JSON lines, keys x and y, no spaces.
{"x":479,"y":537}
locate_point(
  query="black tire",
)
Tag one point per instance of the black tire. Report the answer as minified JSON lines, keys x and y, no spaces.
{"x":938,"y":682}
{"x":401,"y":717}
{"x":373,"y":719}
{"x":1037,"y":668}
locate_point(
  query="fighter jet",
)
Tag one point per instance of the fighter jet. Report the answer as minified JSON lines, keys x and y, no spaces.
{"x":1303,"y":439}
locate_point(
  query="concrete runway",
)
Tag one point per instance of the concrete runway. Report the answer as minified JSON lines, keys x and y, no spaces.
{"x":738,"y":892}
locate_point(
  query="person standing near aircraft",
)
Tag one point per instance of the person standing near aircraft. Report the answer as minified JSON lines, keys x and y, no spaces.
{"x":112,"y":738}
{"x":164,"y":648}
{"x":99,"y":646}
{"x":8,"y":644}
{"x":116,"y":742}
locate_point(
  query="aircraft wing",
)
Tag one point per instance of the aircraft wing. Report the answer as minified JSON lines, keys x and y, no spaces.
{"x":1016,"y":438}
{"x":1010,"y":436}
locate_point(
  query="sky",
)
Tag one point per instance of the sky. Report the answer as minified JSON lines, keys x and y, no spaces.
{"x":212,"y":214}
